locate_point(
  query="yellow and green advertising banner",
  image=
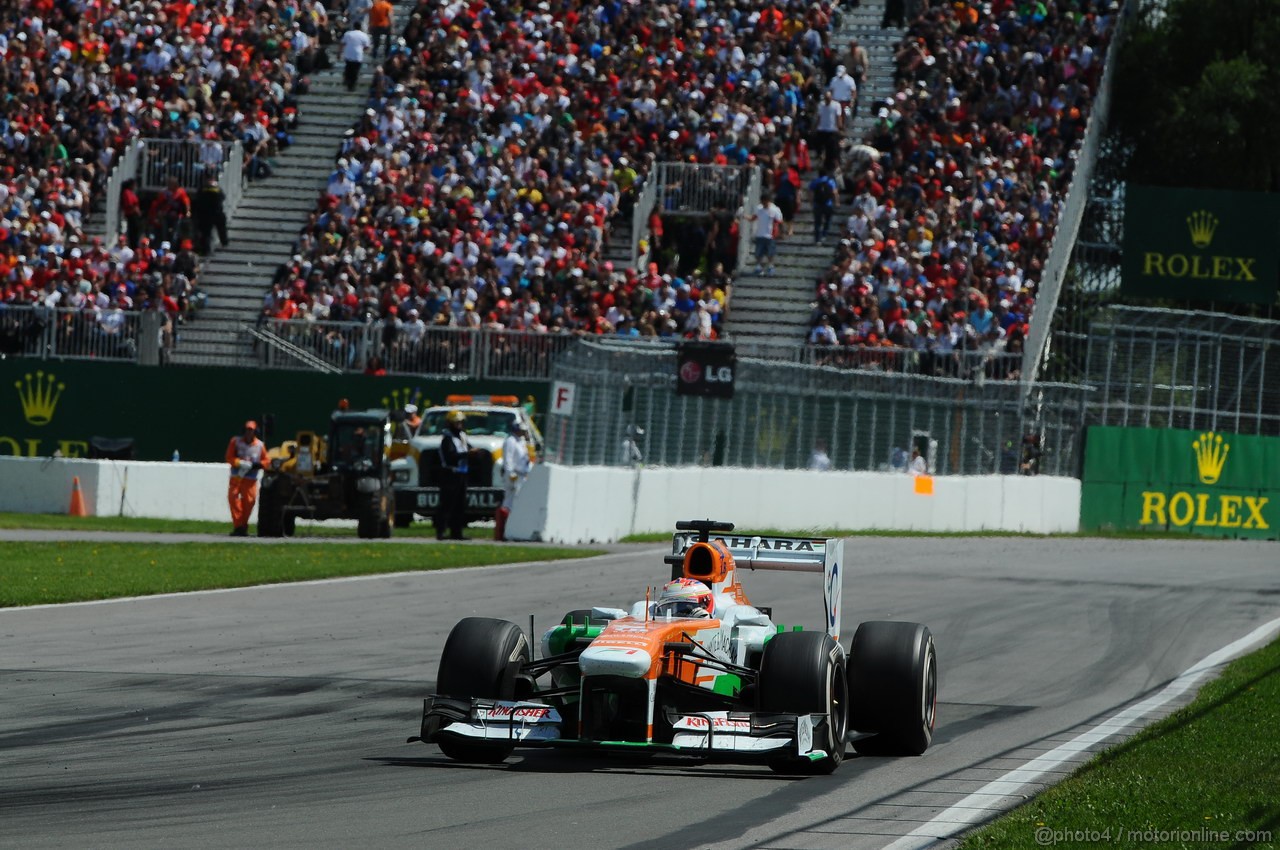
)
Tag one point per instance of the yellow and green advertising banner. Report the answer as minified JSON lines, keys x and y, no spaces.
{"x":1210,"y":483}
{"x":49,"y":406}
{"x":1201,"y":245}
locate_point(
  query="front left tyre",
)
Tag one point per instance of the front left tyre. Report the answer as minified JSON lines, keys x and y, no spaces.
{"x":804,"y":673}
{"x":481,"y":659}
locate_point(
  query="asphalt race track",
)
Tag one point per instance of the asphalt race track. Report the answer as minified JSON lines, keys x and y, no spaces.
{"x":276,"y":717}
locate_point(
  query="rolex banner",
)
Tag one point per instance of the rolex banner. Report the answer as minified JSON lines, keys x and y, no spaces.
{"x":1209,"y":483}
{"x":50,"y":407}
{"x":1193,"y":244}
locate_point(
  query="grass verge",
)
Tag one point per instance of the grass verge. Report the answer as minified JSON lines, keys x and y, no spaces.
{"x":63,"y":522}
{"x":1205,"y":776}
{"x":35,"y":573}
{"x":423,"y":529}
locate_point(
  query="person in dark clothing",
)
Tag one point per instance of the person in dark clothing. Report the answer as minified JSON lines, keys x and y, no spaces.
{"x":823,"y":191}
{"x":451,"y":514}
{"x":169,"y":210}
{"x":208,"y":211}
{"x":131,"y":210}
{"x":895,"y":13}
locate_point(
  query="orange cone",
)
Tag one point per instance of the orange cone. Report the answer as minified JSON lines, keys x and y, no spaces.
{"x":77,"y":499}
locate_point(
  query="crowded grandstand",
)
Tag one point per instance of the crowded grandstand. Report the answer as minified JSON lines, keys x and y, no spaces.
{"x":502,"y":151}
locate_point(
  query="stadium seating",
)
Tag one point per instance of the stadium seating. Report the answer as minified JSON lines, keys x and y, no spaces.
{"x":80,"y":80}
{"x":503,"y":144}
{"x":954,"y":209}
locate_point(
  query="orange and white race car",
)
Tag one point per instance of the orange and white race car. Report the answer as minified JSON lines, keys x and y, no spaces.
{"x":693,"y":670}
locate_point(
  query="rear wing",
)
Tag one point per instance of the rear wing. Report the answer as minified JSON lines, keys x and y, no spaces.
{"x":760,"y":552}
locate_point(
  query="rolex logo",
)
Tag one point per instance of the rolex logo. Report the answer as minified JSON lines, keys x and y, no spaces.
{"x":1202,"y":225}
{"x":39,"y":397}
{"x":1211,"y":456}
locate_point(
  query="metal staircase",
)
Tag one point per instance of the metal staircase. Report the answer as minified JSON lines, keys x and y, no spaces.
{"x":266,"y":225}
{"x":775,"y":311}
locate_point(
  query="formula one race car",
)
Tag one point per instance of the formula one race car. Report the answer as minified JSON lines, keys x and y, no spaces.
{"x":697,"y":671}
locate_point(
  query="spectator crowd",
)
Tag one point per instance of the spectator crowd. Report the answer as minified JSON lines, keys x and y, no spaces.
{"x":79,"y":80}
{"x":503,"y":143}
{"x":955,"y":197}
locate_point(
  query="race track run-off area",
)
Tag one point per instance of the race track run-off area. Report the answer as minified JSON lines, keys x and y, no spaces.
{"x":277,"y":716}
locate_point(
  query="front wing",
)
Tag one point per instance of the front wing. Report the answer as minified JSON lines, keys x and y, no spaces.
{"x":711,"y":735}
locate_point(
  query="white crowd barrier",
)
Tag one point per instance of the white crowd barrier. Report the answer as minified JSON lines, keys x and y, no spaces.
{"x":116,"y":487}
{"x":598,"y":504}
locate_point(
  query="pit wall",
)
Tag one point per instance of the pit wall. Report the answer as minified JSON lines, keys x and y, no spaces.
{"x":596,"y":504}
{"x":117,"y":488}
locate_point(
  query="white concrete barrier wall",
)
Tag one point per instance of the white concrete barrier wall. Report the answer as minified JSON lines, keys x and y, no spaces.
{"x":116,"y":488}
{"x":585,"y":504}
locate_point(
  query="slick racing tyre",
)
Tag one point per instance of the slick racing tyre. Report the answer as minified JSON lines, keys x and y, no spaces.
{"x":270,"y":512}
{"x":893,"y":687}
{"x":481,"y":659}
{"x":373,"y":522}
{"x":804,"y":673}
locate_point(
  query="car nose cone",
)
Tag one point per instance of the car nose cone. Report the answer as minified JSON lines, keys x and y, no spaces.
{"x":614,"y":661}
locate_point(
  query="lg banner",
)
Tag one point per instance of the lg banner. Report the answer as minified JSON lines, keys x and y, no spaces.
{"x":706,"y":368}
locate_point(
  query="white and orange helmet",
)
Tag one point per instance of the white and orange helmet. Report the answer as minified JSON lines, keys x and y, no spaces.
{"x":686,"y":597}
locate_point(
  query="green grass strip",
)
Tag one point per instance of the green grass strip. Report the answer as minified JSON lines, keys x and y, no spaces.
{"x":35,"y":573}
{"x":422,"y":529}
{"x":1205,"y":776}
{"x":63,"y":522}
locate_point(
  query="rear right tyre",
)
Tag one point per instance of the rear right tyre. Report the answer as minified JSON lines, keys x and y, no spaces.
{"x":893,"y":687}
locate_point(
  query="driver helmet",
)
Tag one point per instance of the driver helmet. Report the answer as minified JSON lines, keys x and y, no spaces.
{"x":456,"y":417}
{"x":685,"y":597}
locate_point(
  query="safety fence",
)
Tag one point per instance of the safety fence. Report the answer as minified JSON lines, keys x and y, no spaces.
{"x":991,"y":364}
{"x":151,"y":162}
{"x":749,"y":204}
{"x":78,"y":334}
{"x":1067,"y":228}
{"x":1157,"y":368}
{"x":645,"y":200}
{"x":126,"y":168}
{"x":625,"y":410}
{"x":434,"y":352}
{"x":691,"y":188}
{"x":694,"y":190}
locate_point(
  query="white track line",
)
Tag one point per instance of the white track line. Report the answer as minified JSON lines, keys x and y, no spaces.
{"x":988,"y":800}
{"x":321,"y":581}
